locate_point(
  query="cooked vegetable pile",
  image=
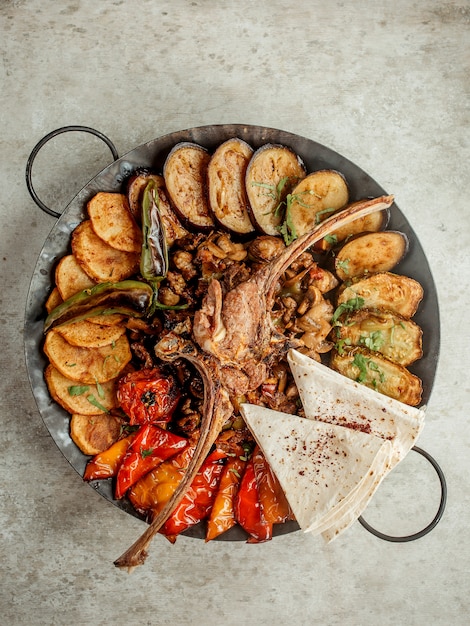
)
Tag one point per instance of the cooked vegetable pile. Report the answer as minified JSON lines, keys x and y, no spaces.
{"x":140,"y":268}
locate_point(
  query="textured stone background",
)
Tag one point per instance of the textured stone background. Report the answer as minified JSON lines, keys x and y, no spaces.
{"x":383,"y":83}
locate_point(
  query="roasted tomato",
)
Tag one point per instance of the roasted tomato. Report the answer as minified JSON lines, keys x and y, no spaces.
{"x":148,"y":396}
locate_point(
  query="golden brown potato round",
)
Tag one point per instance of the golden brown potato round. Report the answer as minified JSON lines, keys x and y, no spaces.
{"x":94,"y":433}
{"x":70,"y":277}
{"x":98,"y":259}
{"x":85,"y":334}
{"x":87,"y":365}
{"x":79,"y":398}
{"x":113,"y":222}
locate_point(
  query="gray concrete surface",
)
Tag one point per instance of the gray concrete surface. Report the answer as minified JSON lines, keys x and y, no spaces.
{"x":383,"y":83}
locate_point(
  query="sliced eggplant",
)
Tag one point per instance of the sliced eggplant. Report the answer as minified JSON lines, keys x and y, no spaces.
{"x":371,"y":223}
{"x":384,"y":291}
{"x":397,"y":338}
{"x":226,"y":173}
{"x":371,"y":253}
{"x":272,"y":173}
{"x":315,"y":198}
{"x":379,"y":373}
{"x":137,"y":184}
{"x":185,"y":174}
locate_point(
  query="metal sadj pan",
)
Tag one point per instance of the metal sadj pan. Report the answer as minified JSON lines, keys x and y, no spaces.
{"x":151,"y":156}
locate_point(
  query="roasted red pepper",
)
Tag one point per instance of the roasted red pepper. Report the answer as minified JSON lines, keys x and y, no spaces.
{"x":222,"y":515}
{"x":198,"y":500}
{"x":248,"y":509}
{"x":151,"y":446}
{"x":276,"y":509}
{"x":148,"y":396}
{"x":150,"y":494}
{"x":106,"y":463}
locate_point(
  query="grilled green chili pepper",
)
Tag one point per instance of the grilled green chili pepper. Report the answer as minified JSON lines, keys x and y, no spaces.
{"x":154,"y":257}
{"x":130,"y":297}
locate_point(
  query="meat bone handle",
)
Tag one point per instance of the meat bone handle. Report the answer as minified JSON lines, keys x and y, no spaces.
{"x":44,"y":140}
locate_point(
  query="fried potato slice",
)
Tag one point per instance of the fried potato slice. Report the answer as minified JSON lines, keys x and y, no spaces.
{"x":397,"y":338}
{"x":107,"y":320}
{"x":87,"y":365}
{"x":70,"y":277}
{"x":113,"y":222}
{"x":371,"y":253}
{"x":78,"y":398}
{"x":53,"y":300}
{"x":385,"y":291}
{"x":315,"y":198}
{"x":98,"y":259}
{"x":85,"y":334}
{"x":95,"y":433}
{"x":379,"y":373}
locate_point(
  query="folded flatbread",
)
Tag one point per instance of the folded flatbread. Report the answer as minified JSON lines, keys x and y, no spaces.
{"x":321,"y":467}
{"x":330,"y":397}
{"x":331,"y":464}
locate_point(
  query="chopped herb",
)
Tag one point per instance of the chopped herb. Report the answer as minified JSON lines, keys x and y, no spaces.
{"x":321,"y":213}
{"x":234,"y":471}
{"x":77,"y":390}
{"x":354,"y":304}
{"x":287,"y":228}
{"x":374,"y":341}
{"x":92,"y":400}
{"x":343,"y":265}
{"x":331,"y":239}
{"x":340,"y":345}
{"x":145,"y":453}
{"x":363,"y":364}
{"x":100,"y":390}
{"x":127,"y":429}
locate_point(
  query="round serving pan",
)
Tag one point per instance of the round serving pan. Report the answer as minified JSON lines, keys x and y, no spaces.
{"x":151,"y":156}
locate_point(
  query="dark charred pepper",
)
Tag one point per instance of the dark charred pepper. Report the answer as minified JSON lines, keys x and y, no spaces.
{"x":131,"y":297}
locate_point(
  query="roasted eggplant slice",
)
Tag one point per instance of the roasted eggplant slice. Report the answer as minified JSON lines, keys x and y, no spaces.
{"x":272,"y":173}
{"x":185,"y":174}
{"x":385,"y":291}
{"x":371,"y":223}
{"x":315,"y":198}
{"x":398,"y":339}
{"x":226,"y":173}
{"x":370,"y":253}
{"x":137,"y":184}
{"x":379,"y":373}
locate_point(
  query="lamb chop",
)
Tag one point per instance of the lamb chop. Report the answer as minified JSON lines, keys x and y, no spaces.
{"x":235,"y":340}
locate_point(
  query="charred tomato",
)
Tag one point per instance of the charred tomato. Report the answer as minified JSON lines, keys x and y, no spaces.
{"x":148,"y":396}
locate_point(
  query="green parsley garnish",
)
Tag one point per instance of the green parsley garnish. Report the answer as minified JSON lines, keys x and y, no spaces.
{"x":145,"y":453}
{"x":92,"y":400}
{"x":77,"y":390}
{"x":354,"y":304}
{"x":374,"y":341}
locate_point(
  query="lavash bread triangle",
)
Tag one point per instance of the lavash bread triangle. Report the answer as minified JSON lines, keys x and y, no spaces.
{"x":330,"y":397}
{"x":318,"y":465}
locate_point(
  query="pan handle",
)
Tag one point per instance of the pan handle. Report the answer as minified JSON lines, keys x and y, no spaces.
{"x":434,"y":521}
{"x":40,"y":144}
